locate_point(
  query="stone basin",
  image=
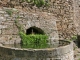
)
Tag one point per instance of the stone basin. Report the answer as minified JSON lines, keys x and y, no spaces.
{"x":63,"y":52}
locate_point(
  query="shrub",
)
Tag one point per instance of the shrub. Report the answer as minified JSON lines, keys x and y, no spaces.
{"x":34,"y":41}
{"x":74,"y":38}
{"x":38,"y":3}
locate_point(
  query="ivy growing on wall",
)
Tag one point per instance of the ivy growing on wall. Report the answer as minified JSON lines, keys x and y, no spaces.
{"x":38,"y":3}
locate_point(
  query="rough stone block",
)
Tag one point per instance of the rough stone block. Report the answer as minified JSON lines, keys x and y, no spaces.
{"x":2,"y":18}
{"x":3,"y":26}
{"x":2,"y":12}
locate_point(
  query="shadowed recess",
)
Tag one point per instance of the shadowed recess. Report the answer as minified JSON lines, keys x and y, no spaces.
{"x":34,"y":30}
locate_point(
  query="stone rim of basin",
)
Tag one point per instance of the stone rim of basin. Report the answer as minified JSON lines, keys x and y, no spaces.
{"x":30,"y":49}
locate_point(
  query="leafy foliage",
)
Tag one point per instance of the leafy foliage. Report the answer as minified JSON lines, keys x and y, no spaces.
{"x":33,"y":41}
{"x":19,"y":26}
{"x":38,"y":3}
{"x":74,"y":37}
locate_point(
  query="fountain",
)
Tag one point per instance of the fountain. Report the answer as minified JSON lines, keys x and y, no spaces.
{"x":40,"y":23}
{"x":63,"y":50}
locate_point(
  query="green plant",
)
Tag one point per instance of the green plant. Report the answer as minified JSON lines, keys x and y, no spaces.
{"x":19,"y":26}
{"x":22,"y":1}
{"x":38,"y":3}
{"x":79,"y":59}
{"x":74,"y":38}
{"x":9,"y":11}
{"x":29,"y":1}
{"x":34,"y":41}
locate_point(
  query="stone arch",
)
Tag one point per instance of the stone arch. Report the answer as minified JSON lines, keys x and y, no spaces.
{"x":34,"y":30}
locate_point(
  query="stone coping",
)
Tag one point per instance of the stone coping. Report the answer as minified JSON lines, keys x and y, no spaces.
{"x":60,"y":53}
{"x":31,"y":49}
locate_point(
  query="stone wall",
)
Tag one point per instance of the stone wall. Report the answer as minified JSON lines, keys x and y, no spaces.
{"x":9,"y":31}
{"x":77,"y":15}
{"x":66,"y":13}
{"x":60,"y":53}
{"x":63,"y":10}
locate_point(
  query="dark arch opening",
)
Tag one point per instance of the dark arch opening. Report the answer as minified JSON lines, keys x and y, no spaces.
{"x":34,"y":30}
